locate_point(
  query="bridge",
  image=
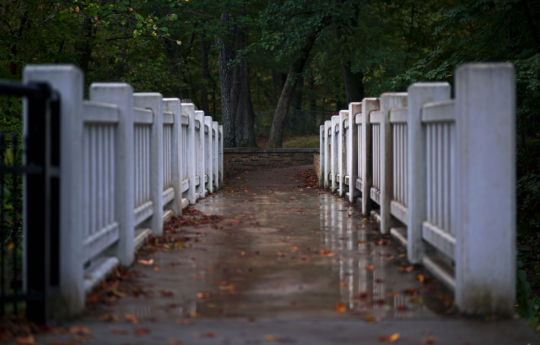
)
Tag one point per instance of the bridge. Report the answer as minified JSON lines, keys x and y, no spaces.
{"x":269,"y":257}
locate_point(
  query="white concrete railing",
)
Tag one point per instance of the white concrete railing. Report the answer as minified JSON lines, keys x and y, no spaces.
{"x":439,"y":175}
{"x":128,"y":162}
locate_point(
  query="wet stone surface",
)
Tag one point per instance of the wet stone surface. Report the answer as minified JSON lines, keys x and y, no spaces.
{"x":269,"y":260}
{"x":280,"y":249}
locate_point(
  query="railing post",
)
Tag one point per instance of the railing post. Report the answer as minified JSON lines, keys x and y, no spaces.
{"x":341,"y":150}
{"x":327,"y":126}
{"x":334,"y":149}
{"x":153,"y":101}
{"x":321,"y":156}
{"x":388,"y":101}
{"x":68,"y":81}
{"x":121,"y":95}
{"x":485,"y":182}
{"x":418,"y":95}
{"x":352,"y":149}
{"x":221,"y":171}
{"x":173,"y":105}
{"x":215,"y":154}
{"x":368,"y":105}
{"x":189,"y":110}
{"x":199,"y":115}
{"x":209,"y":154}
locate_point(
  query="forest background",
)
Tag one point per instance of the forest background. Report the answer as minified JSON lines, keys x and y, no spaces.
{"x":270,"y":69}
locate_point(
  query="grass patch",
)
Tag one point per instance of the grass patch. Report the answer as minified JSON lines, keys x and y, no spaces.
{"x":307,"y":141}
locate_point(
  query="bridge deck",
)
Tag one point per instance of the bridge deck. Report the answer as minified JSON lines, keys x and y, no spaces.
{"x":286,"y":264}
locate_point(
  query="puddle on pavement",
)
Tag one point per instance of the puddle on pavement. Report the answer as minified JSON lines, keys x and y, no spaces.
{"x":287,"y":253}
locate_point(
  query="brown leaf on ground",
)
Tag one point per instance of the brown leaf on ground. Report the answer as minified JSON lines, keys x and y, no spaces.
{"x":429,"y":340}
{"x":141,"y":331}
{"x":370,"y":318}
{"x":204,"y":294}
{"x":132,"y":318}
{"x":146,"y":262}
{"x":388,"y":339}
{"x":92,"y":298}
{"x":210,"y":334}
{"x":173,"y":341}
{"x":370,"y":267}
{"x":406,"y":268}
{"x":27,"y":340}
{"x":340,"y":307}
{"x":79,"y":330}
{"x":184,"y":321}
{"x":109,"y":317}
{"x":166,"y":293}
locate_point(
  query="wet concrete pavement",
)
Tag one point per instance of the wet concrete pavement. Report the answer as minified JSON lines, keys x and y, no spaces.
{"x":285,"y":264}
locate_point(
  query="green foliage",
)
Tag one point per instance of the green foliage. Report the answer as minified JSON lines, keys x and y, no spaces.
{"x":309,"y":141}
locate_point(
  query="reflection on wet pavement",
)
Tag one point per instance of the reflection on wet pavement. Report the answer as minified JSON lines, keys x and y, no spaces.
{"x":282,"y":250}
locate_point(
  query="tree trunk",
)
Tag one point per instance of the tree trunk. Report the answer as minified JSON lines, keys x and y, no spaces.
{"x":276,"y":131}
{"x":354,"y":85}
{"x":244,"y":115}
{"x":226,"y":54}
{"x":205,"y":75}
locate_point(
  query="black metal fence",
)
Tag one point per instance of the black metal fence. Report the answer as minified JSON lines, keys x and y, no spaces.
{"x":29,"y":204}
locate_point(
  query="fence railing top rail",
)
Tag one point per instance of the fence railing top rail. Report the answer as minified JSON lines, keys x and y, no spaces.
{"x":443,"y":111}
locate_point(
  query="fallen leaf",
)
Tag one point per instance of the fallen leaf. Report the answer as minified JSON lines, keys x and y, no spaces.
{"x":388,"y":339}
{"x":370,"y":318}
{"x":406,"y":268}
{"x":157,"y":269}
{"x":92,"y":298}
{"x":269,"y":337}
{"x":429,"y":340}
{"x":146,"y":262}
{"x":210,"y":334}
{"x":370,"y":267}
{"x":166,"y":293}
{"x":131,"y":317}
{"x":294,"y":248}
{"x":203,"y":294}
{"x":108,"y":318}
{"x":79,"y":330}
{"x":184,"y":321}
{"x":28,"y":340}
{"x":340,"y":307}
{"x":173,"y":341}
{"x":141,"y":331}
{"x":420,"y":278}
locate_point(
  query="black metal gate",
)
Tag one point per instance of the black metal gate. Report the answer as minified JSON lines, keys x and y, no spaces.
{"x":30,"y":203}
